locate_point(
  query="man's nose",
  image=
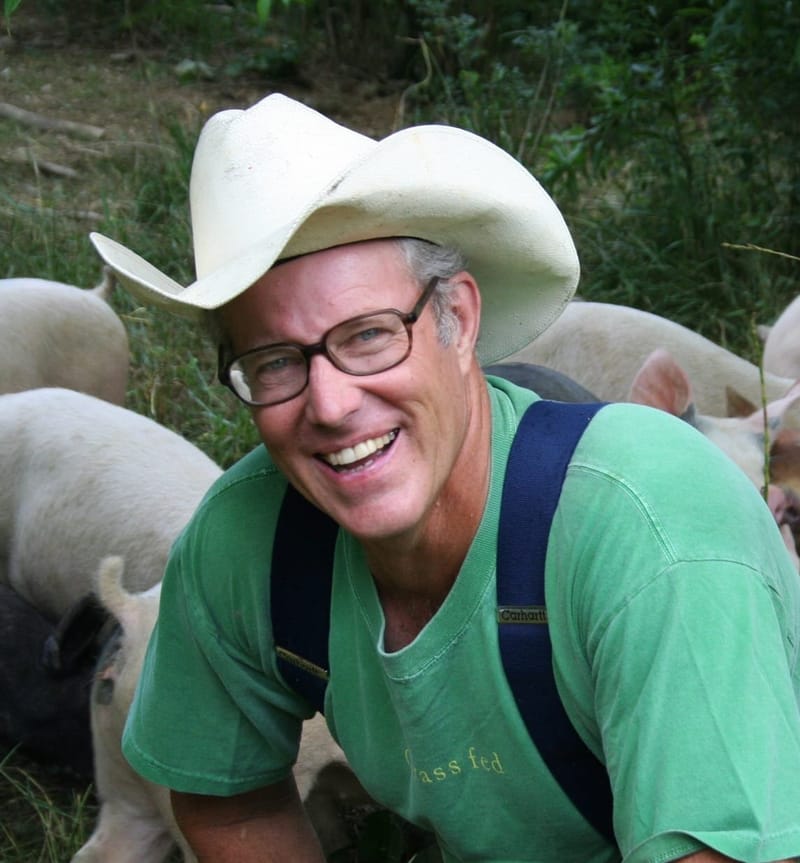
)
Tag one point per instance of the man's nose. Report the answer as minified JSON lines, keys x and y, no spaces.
{"x":331,"y":395}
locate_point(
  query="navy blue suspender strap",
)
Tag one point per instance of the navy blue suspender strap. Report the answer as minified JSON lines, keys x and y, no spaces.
{"x":543,"y":446}
{"x":302,"y":572}
{"x":300,"y":594}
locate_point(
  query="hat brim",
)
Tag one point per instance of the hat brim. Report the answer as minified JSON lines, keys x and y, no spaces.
{"x":436,"y":183}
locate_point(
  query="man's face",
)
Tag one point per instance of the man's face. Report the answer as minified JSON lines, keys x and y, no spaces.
{"x":374,"y":452}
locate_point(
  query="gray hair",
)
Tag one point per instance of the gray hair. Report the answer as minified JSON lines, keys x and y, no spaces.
{"x":424,"y":261}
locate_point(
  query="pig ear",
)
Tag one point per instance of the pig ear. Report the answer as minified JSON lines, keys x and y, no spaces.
{"x":77,"y":637}
{"x":789,"y":419}
{"x":737,"y":405}
{"x":661,"y":383}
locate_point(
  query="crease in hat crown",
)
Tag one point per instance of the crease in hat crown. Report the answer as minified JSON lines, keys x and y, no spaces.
{"x":279,"y":179}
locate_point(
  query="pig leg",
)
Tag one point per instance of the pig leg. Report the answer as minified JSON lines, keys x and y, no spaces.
{"x":126,"y":834}
{"x":131,"y":827}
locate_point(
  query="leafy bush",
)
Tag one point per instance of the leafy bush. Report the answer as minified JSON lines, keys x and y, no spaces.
{"x":665,"y":133}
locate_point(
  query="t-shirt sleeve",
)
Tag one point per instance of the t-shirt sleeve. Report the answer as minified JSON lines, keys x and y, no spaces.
{"x":676,"y":617}
{"x":701,"y":720}
{"x":210,"y":714}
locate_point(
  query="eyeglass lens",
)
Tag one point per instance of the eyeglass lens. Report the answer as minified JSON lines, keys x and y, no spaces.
{"x":361,"y":346}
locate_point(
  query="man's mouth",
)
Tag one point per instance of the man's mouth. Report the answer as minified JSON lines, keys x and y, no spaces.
{"x":359,"y":455}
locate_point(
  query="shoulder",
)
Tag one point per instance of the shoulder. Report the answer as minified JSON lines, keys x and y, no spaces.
{"x":248,"y":492}
{"x":663,"y":464}
{"x":646,"y":492}
{"x":228,"y":540}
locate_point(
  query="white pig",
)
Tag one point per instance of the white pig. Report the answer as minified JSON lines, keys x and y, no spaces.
{"x":602,"y":346}
{"x":82,"y":479}
{"x":135,"y":823}
{"x":57,"y":335}
{"x":782,"y":344}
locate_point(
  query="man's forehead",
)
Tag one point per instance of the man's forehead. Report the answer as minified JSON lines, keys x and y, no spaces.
{"x":387,"y":249}
{"x":321,"y":289}
{"x":370,"y":268}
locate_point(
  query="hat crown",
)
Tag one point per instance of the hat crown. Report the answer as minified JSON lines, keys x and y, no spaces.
{"x":249,"y":177}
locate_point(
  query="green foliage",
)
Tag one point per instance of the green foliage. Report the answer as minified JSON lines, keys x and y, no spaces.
{"x":663,"y":131}
{"x":264,"y":8}
{"x":276,"y":59}
{"x":497,"y":77}
{"x":9,"y":7}
{"x":686,"y":152}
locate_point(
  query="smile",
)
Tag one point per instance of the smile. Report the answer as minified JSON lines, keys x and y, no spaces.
{"x":362,"y":450}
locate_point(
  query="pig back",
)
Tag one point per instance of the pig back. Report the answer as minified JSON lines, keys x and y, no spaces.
{"x":58,"y":335}
{"x":84,"y":479}
{"x":602,"y":346}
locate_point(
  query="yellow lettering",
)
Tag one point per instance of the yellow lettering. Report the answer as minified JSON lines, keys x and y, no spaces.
{"x":441,"y":772}
{"x":484,"y":762}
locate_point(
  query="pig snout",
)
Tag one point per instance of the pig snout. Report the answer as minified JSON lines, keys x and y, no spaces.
{"x":785,"y":507}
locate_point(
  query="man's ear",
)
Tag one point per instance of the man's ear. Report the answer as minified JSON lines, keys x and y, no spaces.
{"x":465,"y":301}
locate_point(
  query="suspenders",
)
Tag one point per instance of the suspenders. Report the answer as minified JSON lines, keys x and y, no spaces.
{"x":546,"y":438}
{"x":302,"y":572}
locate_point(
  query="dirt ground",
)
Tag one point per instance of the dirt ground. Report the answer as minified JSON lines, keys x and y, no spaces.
{"x":128,"y":93}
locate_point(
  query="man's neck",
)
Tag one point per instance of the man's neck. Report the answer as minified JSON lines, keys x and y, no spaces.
{"x":414,"y":572}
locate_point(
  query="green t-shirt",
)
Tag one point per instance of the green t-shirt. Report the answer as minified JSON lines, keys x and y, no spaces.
{"x":675,"y":622}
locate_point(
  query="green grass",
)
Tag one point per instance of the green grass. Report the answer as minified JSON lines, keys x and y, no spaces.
{"x":47,"y":814}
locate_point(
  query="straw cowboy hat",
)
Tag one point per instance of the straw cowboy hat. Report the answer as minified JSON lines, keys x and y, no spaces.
{"x":279,"y":180}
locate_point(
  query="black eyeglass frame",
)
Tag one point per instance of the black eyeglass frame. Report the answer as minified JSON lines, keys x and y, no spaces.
{"x":408,"y":319}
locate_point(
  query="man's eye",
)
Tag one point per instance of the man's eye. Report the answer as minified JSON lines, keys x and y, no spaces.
{"x":371,"y":333}
{"x":269,"y":367}
{"x":273,"y":365}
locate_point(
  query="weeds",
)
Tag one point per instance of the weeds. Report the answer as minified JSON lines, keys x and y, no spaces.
{"x":46,"y":815}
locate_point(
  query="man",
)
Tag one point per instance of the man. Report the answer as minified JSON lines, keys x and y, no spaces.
{"x":331,"y":269}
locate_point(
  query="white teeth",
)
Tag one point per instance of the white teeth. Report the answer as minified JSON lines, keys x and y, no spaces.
{"x":361,"y":450}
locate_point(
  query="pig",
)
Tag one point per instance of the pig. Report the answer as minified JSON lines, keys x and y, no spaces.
{"x":57,"y":335}
{"x":43,"y":710}
{"x":82,"y":479}
{"x":602,"y":346}
{"x":782,"y":343}
{"x":135,"y":823}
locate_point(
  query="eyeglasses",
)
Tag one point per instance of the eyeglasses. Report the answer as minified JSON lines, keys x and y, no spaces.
{"x":359,"y":346}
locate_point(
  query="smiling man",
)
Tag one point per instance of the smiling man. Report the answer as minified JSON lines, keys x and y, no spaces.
{"x":355,"y":288}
